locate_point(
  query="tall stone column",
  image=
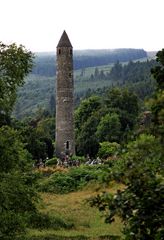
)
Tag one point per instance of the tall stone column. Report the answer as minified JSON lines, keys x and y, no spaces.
{"x":65,"y":143}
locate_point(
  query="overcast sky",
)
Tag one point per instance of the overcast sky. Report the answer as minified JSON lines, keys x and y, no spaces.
{"x":90,"y":24}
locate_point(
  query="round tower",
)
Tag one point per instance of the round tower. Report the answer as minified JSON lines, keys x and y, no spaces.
{"x":64,"y":98}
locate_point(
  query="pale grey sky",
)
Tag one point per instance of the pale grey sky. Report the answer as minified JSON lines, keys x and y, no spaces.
{"x":90,"y":24}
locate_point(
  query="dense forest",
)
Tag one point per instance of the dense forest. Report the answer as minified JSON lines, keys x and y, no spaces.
{"x":113,"y":187}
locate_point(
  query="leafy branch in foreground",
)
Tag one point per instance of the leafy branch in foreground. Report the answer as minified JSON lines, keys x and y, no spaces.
{"x":140,"y":205}
{"x":17,"y":196}
{"x":15,"y":64}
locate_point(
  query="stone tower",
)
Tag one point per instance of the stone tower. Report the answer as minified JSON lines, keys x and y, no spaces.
{"x":64,"y":98}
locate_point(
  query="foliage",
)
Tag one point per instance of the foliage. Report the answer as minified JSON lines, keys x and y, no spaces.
{"x":46,"y":127}
{"x":17,"y":197}
{"x":140,"y":204}
{"x":132,"y":72}
{"x":158,"y":71}
{"x":158,"y":100}
{"x":125,"y":104}
{"x":72,"y":180}
{"x":33,"y":144}
{"x":86,"y":139}
{"x":108,"y":149}
{"x":38,"y":90}
{"x":86,"y":108}
{"x":109,"y":128}
{"x":81,"y":159}
{"x":145,"y":152}
{"x":51,"y":161}
{"x":13,"y":155}
{"x":38,"y":145}
{"x":86,"y":121}
{"x":15,"y":64}
{"x":110,"y":118}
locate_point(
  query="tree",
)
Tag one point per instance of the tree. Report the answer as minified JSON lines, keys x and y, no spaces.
{"x":17,"y":197}
{"x":46,"y":127}
{"x":109,"y":128}
{"x":116,"y":71}
{"x":38,"y":145}
{"x":85,"y":110}
{"x":158,"y":100}
{"x":125,"y":104}
{"x":87,"y":117}
{"x":86,"y":139}
{"x":12,"y":156}
{"x":140,"y":205}
{"x":108,"y":149}
{"x":96,"y":73}
{"x":110,"y":115}
{"x":15,"y":64}
{"x":158,"y":71}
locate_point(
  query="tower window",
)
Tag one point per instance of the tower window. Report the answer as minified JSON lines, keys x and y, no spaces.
{"x":59,"y":51}
{"x":70,"y":74}
{"x":67,"y":145}
{"x":70,"y":52}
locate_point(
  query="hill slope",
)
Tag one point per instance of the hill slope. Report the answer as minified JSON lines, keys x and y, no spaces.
{"x":39,"y":88}
{"x":44,"y":64}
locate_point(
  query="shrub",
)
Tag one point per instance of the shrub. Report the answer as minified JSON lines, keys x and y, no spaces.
{"x":108,"y":149}
{"x":81,"y":159}
{"x":52,"y":161}
{"x":72,"y":180}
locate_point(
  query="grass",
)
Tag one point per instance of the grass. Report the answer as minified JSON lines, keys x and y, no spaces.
{"x":87,"y":222}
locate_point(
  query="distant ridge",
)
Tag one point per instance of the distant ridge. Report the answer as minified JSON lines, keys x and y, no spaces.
{"x":92,"y":51}
{"x":45,"y":62}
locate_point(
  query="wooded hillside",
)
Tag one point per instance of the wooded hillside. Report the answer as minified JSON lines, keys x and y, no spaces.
{"x":39,"y":89}
{"x":45,"y":63}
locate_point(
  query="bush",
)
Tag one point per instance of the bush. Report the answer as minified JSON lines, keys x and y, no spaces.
{"x":72,"y":180}
{"x":52,"y":161}
{"x":81,"y":159}
{"x":108,"y":149}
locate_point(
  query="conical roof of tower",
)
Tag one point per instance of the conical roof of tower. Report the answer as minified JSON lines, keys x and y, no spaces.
{"x":64,"y":41}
